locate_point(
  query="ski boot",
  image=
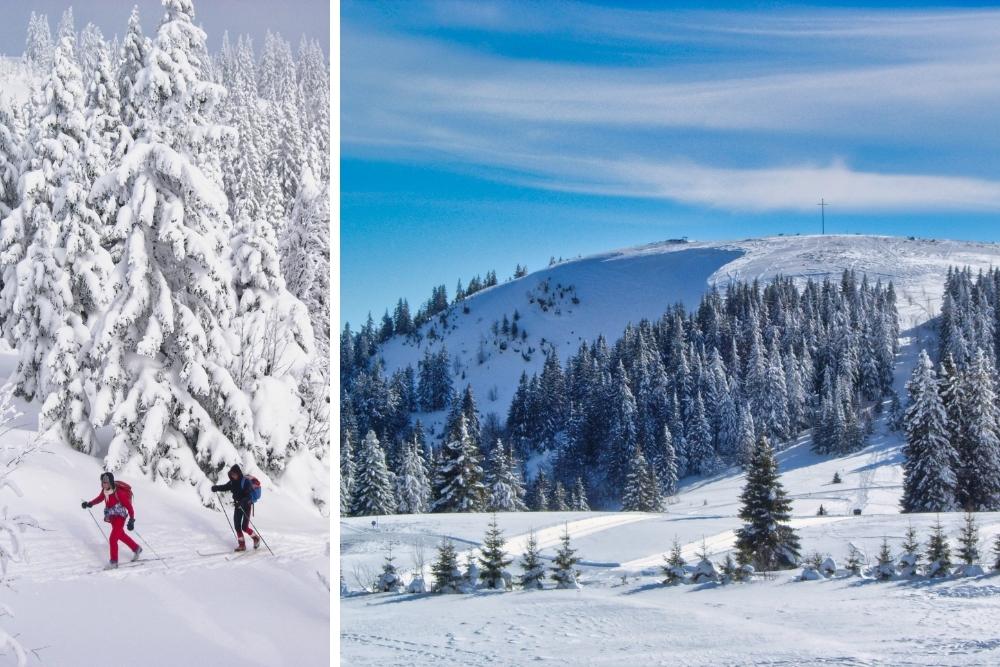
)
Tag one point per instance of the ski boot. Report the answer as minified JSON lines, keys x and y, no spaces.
{"x":241,"y":546}
{"x":136,"y":555}
{"x":256,"y":541}
{"x":112,"y":565}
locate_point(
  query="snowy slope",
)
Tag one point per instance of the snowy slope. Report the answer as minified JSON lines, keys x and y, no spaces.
{"x":627,"y":285}
{"x":257,"y":609}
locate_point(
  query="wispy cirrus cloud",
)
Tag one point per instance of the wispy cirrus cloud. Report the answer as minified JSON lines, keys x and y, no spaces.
{"x":912,"y":105}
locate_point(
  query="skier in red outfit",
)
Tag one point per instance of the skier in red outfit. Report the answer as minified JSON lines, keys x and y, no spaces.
{"x":242,"y":491}
{"x":117,"y":506}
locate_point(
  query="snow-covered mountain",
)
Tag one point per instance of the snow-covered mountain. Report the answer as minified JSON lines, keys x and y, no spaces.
{"x":574,"y":301}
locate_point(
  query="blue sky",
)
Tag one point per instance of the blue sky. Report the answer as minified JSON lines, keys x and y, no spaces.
{"x":478,"y":135}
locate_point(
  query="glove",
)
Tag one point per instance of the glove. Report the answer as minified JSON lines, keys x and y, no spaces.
{"x":215,"y":488}
{"x":85,"y":505}
{"x":131,"y":524}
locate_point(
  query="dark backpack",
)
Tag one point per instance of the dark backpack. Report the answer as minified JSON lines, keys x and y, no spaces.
{"x":255,"y":489}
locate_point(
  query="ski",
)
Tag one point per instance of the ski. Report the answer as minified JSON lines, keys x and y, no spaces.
{"x":214,"y":553}
{"x":127,"y":565}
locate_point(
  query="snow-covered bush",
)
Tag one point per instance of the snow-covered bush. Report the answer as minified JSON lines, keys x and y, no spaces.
{"x":828,"y":567}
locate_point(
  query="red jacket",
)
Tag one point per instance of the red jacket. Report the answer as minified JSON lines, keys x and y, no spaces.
{"x":113,"y":499}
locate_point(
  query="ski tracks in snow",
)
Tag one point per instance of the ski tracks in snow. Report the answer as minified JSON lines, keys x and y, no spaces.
{"x":60,"y":556}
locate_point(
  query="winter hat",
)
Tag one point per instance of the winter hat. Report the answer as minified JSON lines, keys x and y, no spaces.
{"x":236,"y":469}
{"x":109,"y":477}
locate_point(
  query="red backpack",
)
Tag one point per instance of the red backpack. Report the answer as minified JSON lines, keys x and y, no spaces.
{"x":127,"y":488}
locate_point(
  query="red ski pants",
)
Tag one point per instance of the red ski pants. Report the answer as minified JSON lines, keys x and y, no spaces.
{"x":241,"y":520}
{"x":118,"y":533}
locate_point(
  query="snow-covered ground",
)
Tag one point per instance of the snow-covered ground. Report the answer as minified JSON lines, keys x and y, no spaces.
{"x":615,"y":288}
{"x":257,"y":609}
{"x":623,"y":614}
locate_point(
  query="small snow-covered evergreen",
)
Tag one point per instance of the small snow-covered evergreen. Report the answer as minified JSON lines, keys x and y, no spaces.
{"x":674,"y":566}
{"x":563,"y":568}
{"x":766,"y":541}
{"x":938,"y":552}
{"x":493,"y":559}
{"x":533,"y":573}
{"x":447,"y":577}
{"x":968,"y":552}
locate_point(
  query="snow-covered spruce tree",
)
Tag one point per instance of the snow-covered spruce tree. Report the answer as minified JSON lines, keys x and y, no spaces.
{"x":928,"y":479}
{"x":276,"y":345}
{"x":978,"y":473}
{"x":531,"y":564}
{"x":909,"y":561}
{"x":413,"y":490}
{"x":447,"y":577}
{"x":765,"y":541}
{"x":458,"y":484}
{"x":540,"y":493}
{"x":667,"y":471}
{"x":132,"y":59}
{"x":673,"y":567}
{"x":162,"y":345}
{"x":55,"y":271}
{"x":559,"y":499}
{"x":38,"y":43}
{"x":563,"y":567}
{"x":107,"y":136}
{"x":580,"y":503}
{"x":642,"y":491}
{"x":885,"y":568}
{"x":938,"y":552}
{"x":11,"y":150}
{"x":389,"y":581}
{"x":347,"y":471}
{"x":855,"y":560}
{"x":373,"y":483}
{"x":969,"y":540}
{"x":305,"y":258}
{"x":493,"y":559}
{"x":504,"y":492}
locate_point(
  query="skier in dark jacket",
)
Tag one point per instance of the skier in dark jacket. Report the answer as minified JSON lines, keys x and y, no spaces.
{"x":242,"y":490}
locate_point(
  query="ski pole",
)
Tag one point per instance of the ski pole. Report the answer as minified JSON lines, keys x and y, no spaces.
{"x":139,"y":535}
{"x":230,"y":523}
{"x":259,"y":535}
{"x":96,"y":523}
